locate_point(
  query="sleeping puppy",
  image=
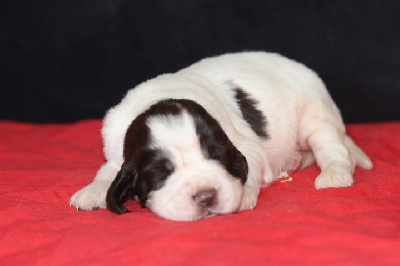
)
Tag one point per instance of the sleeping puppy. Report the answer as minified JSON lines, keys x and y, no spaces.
{"x":202,"y":141}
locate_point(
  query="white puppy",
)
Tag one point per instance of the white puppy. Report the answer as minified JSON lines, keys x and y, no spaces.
{"x":202,"y":141}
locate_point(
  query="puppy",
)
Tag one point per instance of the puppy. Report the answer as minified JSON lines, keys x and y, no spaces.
{"x":202,"y":141}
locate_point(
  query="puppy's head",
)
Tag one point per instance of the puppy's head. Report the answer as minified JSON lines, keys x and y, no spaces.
{"x":180,"y":164}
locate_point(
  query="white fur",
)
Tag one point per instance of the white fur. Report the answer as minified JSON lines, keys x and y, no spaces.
{"x":177,"y":135}
{"x":302,"y":120}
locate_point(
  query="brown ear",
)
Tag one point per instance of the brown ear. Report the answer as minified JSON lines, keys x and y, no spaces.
{"x":238,"y":167}
{"x":121,"y":188}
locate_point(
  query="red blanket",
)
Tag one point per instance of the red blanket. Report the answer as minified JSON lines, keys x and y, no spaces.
{"x":41,"y":166}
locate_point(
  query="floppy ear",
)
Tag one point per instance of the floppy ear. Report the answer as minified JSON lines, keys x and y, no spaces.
{"x":238,"y":166}
{"x":121,"y":188}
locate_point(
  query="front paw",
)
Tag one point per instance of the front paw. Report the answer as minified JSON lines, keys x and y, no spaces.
{"x":91,"y":197}
{"x":334,"y":177}
{"x":249,"y":200}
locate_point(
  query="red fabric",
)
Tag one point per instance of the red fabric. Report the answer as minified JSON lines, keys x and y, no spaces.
{"x":41,"y":166}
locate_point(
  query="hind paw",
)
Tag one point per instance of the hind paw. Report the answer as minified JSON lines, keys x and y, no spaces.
{"x":331,"y":177}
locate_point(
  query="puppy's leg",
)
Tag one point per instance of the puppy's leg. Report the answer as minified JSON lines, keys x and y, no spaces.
{"x":357,"y":155}
{"x":93,"y":196}
{"x":252,"y":187}
{"x":250,"y":196}
{"x":332,"y":156}
{"x":307,"y":159}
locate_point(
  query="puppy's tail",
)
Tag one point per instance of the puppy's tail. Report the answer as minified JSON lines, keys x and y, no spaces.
{"x":357,"y":155}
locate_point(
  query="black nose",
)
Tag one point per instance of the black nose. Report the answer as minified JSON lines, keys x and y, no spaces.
{"x":206,"y":198}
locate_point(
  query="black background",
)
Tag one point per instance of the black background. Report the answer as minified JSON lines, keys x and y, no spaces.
{"x":70,"y":60}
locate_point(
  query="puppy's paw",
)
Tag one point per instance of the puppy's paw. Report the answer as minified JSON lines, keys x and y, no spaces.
{"x":249,"y":200}
{"x":91,"y":197}
{"x":332,"y":177}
